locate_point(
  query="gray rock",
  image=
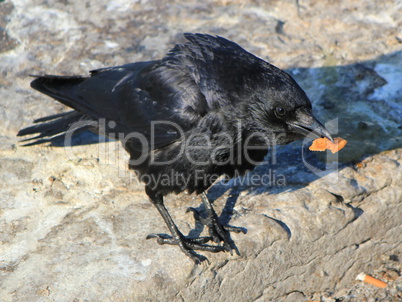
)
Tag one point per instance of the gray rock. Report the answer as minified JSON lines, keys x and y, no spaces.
{"x":73,"y":220}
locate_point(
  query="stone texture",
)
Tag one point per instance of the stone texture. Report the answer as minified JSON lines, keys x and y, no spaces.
{"x":73,"y":221}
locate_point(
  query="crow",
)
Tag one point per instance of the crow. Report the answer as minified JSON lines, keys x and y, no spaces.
{"x":207,"y":109}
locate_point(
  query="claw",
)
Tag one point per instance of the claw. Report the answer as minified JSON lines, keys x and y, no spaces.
{"x":208,"y":222}
{"x":218,"y":232}
{"x":162,"y":239}
{"x":153,"y":235}
{"x":235,"y":229}
{"x":189,"y":243}
{"x":200,"y":240}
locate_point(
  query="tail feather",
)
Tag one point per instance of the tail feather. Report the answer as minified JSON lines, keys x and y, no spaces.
{"x":93,"y":98}
{"x":51,"y":117}
{"x":54,"y":127}
{"x":61,"y":88}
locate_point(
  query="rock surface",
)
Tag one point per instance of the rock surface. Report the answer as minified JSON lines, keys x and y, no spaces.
{"x":73,"y":220}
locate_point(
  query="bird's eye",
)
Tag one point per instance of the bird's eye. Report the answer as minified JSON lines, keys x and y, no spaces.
{"x":280,"y":112}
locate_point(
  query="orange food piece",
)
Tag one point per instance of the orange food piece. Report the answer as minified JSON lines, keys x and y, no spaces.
{"x":319,"y":144}
{"x":322,"y":144}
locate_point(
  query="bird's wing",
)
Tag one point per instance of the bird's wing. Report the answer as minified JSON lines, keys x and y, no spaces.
{"x":140,"y":99}
{"x":163,"y":99}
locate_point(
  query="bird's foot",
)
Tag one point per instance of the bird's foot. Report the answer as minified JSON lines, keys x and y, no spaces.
{"x":188,"y":245}
{"x":218,"y":232}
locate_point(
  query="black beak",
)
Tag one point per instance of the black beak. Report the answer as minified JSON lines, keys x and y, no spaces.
{"x":306,"y":124}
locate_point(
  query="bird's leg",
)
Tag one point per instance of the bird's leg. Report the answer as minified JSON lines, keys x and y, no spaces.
{"x":187,"y":245}
{"x":217,"y":231}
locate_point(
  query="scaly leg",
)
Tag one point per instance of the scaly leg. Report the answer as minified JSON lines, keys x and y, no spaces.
{"x":187,"y":245}
{"x":217,"y":231}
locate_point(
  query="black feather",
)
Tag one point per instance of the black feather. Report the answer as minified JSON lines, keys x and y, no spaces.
{"x":209,"y":108}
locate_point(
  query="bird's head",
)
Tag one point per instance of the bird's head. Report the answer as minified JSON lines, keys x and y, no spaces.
{"x":281,"y":109}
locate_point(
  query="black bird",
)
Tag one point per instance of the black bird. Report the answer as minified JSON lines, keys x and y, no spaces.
{"x":208,"y":108}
